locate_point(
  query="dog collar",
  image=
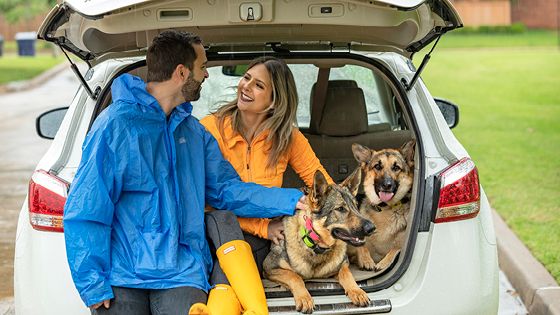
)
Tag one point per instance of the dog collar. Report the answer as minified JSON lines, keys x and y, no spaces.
{"x":310,"y":237}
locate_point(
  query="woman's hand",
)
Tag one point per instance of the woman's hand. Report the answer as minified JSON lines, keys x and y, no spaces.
{"x":276,"y":230}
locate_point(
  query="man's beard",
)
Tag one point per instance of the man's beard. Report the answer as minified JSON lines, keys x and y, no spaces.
{"x":191,"y":89}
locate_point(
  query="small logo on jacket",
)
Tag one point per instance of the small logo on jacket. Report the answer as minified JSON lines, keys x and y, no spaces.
{"x":182,"y":140}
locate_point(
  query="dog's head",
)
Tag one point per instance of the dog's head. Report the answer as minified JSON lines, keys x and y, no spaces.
{"x":388,"y":173}
{"x":335,"y":212}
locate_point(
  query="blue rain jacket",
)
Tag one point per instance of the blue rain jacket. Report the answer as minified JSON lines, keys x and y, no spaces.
{"x":134,"y":216}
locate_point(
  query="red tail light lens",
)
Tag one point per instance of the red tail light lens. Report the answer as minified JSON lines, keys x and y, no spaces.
{"x":47,"y":195}
{"x":459,"y":196}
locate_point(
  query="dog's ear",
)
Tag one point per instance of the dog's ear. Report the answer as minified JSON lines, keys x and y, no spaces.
{"x":407,"y":151}
{"x":353,"y":181}
{"x":362,"y":154}
{"x":320,"y":185}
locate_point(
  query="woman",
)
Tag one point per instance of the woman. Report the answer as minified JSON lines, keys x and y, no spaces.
{"x":257,"y":134}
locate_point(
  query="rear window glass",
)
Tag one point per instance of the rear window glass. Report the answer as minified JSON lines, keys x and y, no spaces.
{"x":221,"y":88}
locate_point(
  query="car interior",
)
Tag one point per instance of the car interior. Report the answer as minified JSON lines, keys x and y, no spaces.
{"x":331,"y":123}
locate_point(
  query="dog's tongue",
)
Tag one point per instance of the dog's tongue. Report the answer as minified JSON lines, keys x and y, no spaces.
{"x":385,"y":196}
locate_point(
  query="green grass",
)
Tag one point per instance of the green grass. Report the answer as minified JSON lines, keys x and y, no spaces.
{"x":531,"y":38}
{"x":510,"y":124}
{"x":13,"y":68}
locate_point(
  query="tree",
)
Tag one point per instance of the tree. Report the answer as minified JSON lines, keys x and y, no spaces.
{"x":18,"y":10}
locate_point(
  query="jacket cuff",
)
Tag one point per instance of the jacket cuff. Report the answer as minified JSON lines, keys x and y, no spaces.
{"x":101,"y":293}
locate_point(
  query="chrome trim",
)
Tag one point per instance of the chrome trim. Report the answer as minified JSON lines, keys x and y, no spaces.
{"x":374,"y":307}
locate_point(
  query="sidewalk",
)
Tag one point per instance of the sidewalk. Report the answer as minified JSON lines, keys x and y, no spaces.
{"x":534,"y":284}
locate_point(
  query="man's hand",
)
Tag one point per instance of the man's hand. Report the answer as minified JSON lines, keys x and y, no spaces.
{"x":105,"y":303}
{"x":302,"y":203}
{"x":276,"y":230}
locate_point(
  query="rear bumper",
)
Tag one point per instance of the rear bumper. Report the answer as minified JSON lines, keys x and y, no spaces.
{"x":42,"y":281}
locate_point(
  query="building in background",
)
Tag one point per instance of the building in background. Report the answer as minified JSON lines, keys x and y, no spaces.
{"x":544,"y":14}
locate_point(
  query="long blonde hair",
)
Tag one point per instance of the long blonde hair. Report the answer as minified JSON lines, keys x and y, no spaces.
{"x":281,"y":119}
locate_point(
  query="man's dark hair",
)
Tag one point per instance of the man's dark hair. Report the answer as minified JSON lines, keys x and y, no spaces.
{"x":169,"y":49}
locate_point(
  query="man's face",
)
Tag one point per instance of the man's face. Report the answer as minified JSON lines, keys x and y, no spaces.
{"x":193,"y":84}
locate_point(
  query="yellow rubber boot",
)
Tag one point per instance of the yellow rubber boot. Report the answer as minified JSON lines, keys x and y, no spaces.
{"x":221,"y":301}
{"x":238,"y":264}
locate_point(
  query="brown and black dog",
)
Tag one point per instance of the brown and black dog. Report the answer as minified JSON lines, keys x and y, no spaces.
{"x":388,"y":177}
{"x":314,"y":244}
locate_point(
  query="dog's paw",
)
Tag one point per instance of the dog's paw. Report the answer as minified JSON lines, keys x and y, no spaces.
{"x":358,"y":297}
{"x":304,"y":303}
{"x":366,"y":263}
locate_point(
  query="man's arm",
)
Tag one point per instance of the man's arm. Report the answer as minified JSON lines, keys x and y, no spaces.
{"x":88,"y":216}
{"x":225,"y":190}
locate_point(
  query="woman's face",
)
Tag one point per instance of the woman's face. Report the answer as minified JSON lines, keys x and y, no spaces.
{"x":254,"y":91}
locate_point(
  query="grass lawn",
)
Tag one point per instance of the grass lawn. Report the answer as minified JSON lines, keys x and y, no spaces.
{"x":14,"y":68}
{"x":531,"y":38}
{"x":509,"y":103}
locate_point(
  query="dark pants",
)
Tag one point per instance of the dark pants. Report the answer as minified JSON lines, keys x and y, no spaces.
{"x":129,"y":301}
{"x":221,"y":227}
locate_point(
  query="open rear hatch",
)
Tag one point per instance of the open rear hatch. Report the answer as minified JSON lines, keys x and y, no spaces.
{"x":97,"y":30}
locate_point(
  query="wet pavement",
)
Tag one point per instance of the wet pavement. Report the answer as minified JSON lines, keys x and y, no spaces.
{"x":22,"y":148}
{"x":20,"y":151}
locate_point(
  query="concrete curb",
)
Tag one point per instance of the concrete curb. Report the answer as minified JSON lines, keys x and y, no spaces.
{"x":536,"y":286}
{"x":36,"y":81}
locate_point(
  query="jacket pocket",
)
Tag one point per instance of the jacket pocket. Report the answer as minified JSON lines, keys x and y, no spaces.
{"x":156,"y":255}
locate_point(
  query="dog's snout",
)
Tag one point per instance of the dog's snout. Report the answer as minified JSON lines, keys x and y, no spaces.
{"x":388,"y":184}
{"x":369,"y":228}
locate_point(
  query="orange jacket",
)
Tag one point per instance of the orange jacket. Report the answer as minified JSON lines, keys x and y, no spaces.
{"x":250,"y":163}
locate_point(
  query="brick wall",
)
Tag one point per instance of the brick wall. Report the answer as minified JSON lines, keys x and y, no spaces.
{"x":536,"y":13}
{"x":484,"y":12}
{"x":9,"y":30}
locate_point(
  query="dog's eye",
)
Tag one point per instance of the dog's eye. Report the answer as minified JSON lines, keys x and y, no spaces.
{"x":396,"y":168}
{"x":378,"y":166}
{"x":341,"y":209}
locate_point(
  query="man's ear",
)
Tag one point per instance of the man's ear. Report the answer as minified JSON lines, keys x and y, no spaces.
{"x":181,"y":72}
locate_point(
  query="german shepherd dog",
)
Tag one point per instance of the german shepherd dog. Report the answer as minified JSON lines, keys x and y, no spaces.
{"x":388,"y":177}
{"x":314,"y":244}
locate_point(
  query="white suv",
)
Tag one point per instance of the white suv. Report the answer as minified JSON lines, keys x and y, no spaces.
{"x":359,"y":52}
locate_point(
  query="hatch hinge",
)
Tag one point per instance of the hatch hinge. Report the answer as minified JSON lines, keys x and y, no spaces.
{"x":92,"y":94}
{"x":408,"y":86}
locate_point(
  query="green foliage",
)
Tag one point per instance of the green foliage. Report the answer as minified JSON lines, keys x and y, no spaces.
{"x":530,"y":38}
{"x":510,"y":124}
{"x":515,"y":28}
{"x":21,"y":10}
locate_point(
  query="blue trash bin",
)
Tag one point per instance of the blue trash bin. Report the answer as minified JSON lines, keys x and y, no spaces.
{"x":26,"y":43}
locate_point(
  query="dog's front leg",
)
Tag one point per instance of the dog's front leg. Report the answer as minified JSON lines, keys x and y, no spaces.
{"x":346,"y":279}
{"x":292,"y":281}
{"x":388,"y":259}
{"x":365,"y":262}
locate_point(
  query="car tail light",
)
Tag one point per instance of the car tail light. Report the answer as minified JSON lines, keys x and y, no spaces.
{"x":47,"y":195}
{"x":459,"y":195}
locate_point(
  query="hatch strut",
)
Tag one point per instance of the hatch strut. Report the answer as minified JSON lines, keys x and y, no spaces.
{"x":408,"y":86}
{"x":91,"y":94}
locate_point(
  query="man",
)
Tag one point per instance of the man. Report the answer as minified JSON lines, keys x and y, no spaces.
{"x":134,"y":218}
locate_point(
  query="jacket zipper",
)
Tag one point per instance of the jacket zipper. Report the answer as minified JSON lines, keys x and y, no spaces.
{"x":250,"y":178}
